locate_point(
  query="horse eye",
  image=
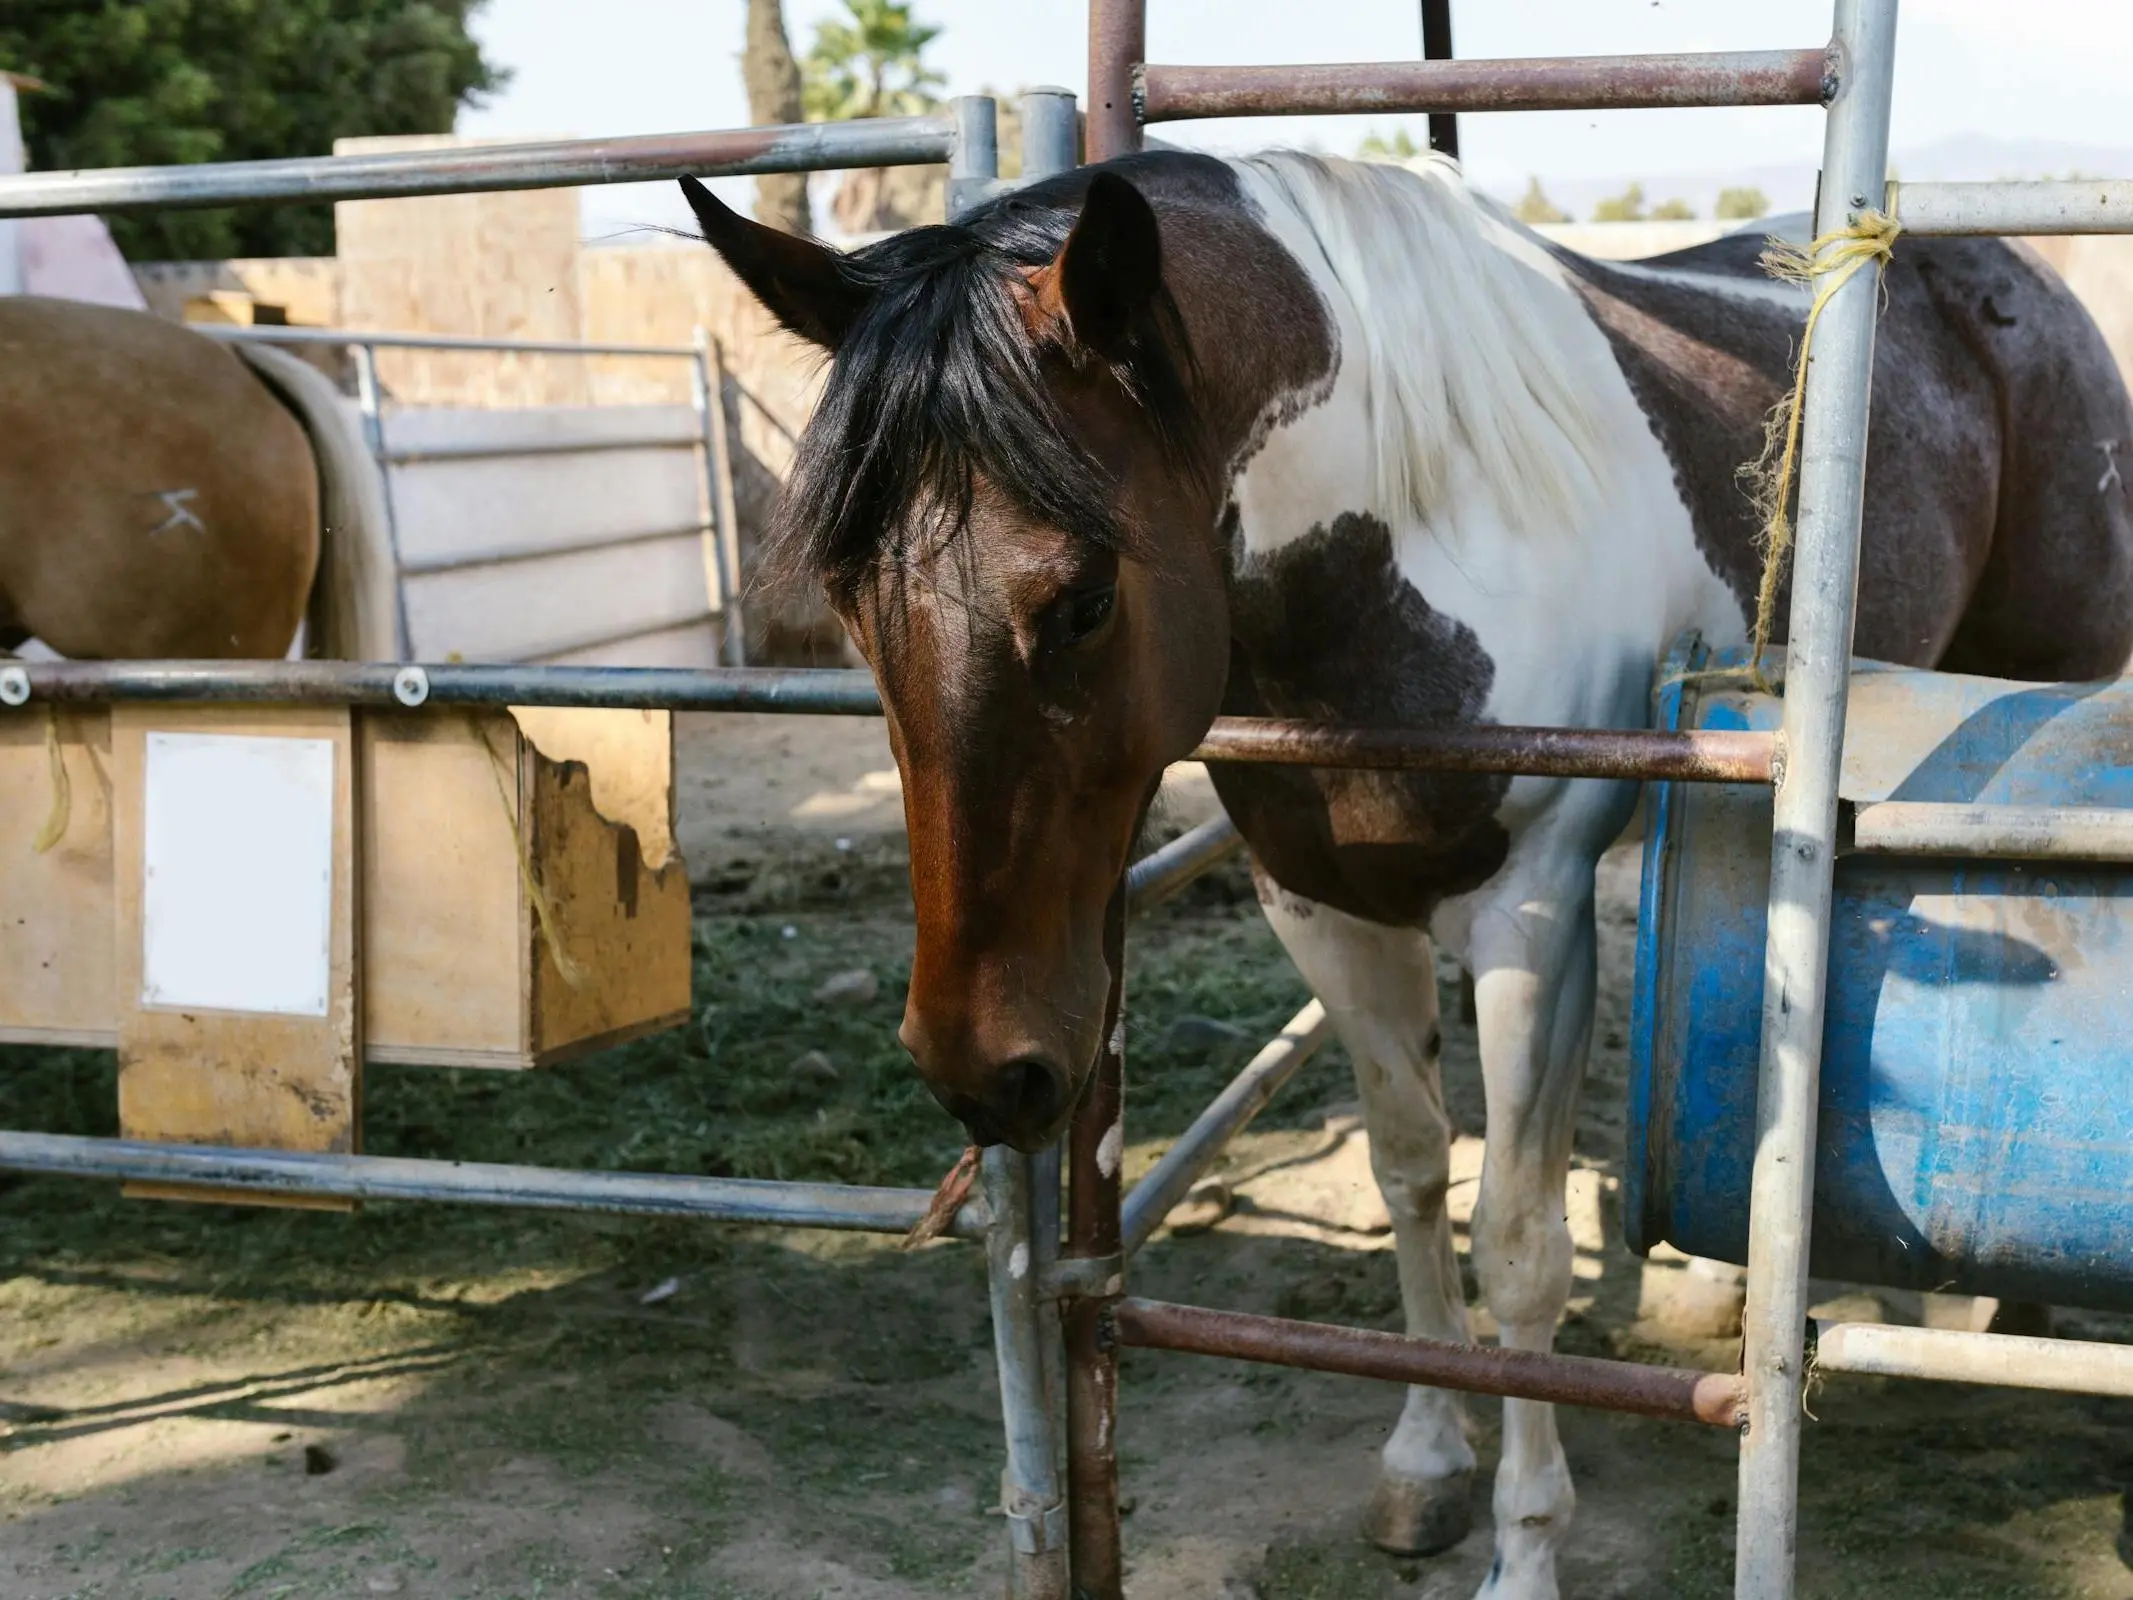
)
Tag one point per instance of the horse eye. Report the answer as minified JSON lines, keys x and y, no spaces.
{"x":1089,"y":610}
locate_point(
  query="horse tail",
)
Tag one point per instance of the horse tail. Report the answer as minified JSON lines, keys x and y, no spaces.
{"x":355,"y":597}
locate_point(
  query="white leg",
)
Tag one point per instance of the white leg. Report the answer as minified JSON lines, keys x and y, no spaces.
{"x":1379,"y":987}
{"x":1533,"y":954}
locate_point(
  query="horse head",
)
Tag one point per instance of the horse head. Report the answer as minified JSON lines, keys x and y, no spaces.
{"x":1012,"y":490}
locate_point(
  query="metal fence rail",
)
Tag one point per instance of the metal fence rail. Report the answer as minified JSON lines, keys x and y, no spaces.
{"x":796,"y":147}
{"x":350,"y":1177}
{"x":1689,"y":756}
{"x":2098,"y":205}
{"x":1572,"y":83}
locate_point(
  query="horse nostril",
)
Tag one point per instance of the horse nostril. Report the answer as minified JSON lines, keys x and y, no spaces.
{"x":1031,"y":1093}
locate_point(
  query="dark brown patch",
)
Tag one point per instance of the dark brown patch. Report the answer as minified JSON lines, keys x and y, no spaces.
{"x":1328,"y":629}
{"x":1986,"y":546}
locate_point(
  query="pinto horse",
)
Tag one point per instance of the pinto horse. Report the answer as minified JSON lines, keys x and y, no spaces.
{"x":1170,"y":437}
{"x":165,"y":495}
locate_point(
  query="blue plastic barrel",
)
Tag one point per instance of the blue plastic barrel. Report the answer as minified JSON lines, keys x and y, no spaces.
{"x":1976,"y":1129}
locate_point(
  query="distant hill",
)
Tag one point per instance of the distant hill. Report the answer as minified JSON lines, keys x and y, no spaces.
{"x":1791,"y":188}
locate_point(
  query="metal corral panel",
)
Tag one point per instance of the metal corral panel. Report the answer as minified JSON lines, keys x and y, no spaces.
{"x":531,"y":533}
{"x":1977,"y":1097}
{"x":557,"y":605}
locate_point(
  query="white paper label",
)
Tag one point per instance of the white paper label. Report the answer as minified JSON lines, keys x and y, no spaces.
{"x":237,"y":873}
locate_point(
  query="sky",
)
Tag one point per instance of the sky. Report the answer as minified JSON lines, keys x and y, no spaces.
{"x":1984,"y":88}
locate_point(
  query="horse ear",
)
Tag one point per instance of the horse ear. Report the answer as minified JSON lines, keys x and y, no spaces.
{"x":800,"y":282}
{"x":1110,"y":270}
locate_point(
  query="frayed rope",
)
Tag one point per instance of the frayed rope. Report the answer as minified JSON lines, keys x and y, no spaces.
{"x":947,"y":1200}
{"x":1829,"y":263}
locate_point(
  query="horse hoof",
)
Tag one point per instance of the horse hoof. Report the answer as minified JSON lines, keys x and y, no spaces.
{"x":1420,"y":1516}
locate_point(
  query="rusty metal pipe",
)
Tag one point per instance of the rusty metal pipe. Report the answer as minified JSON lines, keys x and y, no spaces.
{"x":1095,"y":1153}
{"x":1118,"y":39}
{"x":1569,"y":83}
{"x":1698,"y":756}
{"x":1716,"y":1399}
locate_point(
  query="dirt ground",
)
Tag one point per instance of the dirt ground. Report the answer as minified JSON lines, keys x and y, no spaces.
{"x":198,"y":1402}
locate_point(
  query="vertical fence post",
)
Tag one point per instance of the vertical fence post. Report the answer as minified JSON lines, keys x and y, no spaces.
{"x":707,"y":388}
{"x":369,"y":401}
{"x":1118,"y":44}
{"x":1437,"y":46}
{"x":974,"y":162}
{"x":1095,"y":1154}
{"x":1051,"y":132}
{"x":1029,"y":1488}
{"x":1024,"y":1236}
{"x":1803,"y":842}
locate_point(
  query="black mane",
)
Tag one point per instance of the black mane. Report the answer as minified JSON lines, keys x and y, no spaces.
{"x":938,"y":382}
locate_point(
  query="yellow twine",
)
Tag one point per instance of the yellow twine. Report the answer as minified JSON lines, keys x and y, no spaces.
{"x":543,"y":914}
{"x":55,"y":820}
{"x":1829,"y":263}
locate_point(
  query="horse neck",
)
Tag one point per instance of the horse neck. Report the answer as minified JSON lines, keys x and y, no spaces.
{"x":1528,"y":540}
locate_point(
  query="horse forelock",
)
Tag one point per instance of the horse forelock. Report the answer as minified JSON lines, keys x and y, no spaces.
{"x":942,"y":382}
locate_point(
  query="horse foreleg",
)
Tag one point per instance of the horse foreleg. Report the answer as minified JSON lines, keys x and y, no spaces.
{"x":1533,"y":952}
{"x":1379,"y":988}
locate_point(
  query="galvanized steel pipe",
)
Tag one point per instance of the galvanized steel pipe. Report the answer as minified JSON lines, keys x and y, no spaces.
{"x":1162,"y":873}
{"x":797,"y":147}
{"x":1804,"y":825}
{"x":1693,"y":756}
{"x":1993,"y":833}
{"x":350,"y":1177}
{"x":1226,"y":1116}
{"x":1942,"y":1355}
{"x":1031,"y":1495}
{"x":2095,"y":205}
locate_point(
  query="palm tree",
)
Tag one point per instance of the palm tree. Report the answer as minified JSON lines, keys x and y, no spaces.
{"x":871,"y":65}
{"x":772,"y":78}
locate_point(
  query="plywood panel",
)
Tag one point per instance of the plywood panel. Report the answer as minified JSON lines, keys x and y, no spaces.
{"x":630,"y":757}
{"x":552,"y":603}
{"x":195,"y":1075}
{"x":56,"y":951}
{"x":445,"y":929}
{"x":627,"y":925}
{"x":449,"y":510}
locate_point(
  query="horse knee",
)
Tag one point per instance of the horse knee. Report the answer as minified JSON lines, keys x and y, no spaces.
{"x":1523,"y":1265}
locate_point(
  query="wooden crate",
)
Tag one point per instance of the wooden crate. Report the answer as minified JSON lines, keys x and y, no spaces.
{"x":447,"y":834}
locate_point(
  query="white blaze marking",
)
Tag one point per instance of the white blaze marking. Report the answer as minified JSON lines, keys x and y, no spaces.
{"x":1018,"y":1262}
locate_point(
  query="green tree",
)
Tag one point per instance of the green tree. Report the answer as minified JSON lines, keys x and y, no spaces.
{"x":872,"y":65}
{"x":1628,"y":206}
{"x":1376,"y":147}
{"x":1741,"y":204}
{"x":1673,"y":211}
{"x":153,"y":82}
{"x":1535,"y":208}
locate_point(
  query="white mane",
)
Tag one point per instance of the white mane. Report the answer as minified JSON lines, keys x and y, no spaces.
{"x":1472,"y":346}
